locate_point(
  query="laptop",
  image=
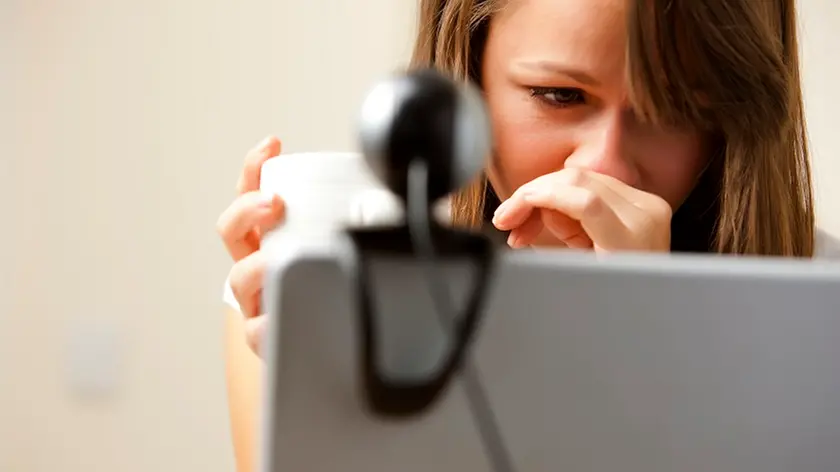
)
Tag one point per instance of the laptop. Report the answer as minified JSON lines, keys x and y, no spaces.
{"x":574,"y":362}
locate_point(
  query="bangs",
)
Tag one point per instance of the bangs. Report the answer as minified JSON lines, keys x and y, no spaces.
{"x":662,"y":90}
{"x":709,"y":65}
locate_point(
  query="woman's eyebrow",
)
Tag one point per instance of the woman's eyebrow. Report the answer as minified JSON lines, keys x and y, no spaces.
{"x":556,"y":68}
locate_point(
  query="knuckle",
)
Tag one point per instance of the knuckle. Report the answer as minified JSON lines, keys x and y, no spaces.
{"x":665,"y":211}
{"x":236,"y":281}
{"x":593,"y":205}
{"x":576,"y":177}
{"x":661,"y":211}
{"x":221,"y":226}
{"x":245,"y":273}
{"x":225,"y":229}
{"x":225,"y":224}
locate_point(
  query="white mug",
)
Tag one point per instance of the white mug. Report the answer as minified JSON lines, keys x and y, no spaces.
{"x":324,"y":192}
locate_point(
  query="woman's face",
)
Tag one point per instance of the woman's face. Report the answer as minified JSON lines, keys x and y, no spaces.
{"x":554,"y":78}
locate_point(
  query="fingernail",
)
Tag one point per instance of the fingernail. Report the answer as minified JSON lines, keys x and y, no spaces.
{"x":265,"y":143}
{"x":500,"y":213}
{"x":501,"y":208}
{"x":512,"y":240}
{"x":498,"y":220}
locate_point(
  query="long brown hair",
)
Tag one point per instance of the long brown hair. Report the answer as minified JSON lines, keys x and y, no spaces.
{"x":728,"y":67}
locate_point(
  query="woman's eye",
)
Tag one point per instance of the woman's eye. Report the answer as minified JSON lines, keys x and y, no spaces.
{"x":558,"y":97}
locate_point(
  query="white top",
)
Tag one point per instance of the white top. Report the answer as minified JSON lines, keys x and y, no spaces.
{"x":827,"y":247}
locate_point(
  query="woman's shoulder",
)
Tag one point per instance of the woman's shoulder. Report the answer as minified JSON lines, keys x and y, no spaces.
{"x":827,"y":245}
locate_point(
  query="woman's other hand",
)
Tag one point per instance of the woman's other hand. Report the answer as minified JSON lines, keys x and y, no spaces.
{"x":584,"y":209}
{"x":241,"y":227}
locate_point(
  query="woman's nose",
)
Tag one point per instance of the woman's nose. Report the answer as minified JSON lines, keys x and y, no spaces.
{"x":605,"y":148}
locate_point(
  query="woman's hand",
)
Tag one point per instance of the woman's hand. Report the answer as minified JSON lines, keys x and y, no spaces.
{"x":241,"y":226}
{"x":584,"y":209}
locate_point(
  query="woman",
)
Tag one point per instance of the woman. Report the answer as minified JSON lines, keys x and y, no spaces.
{"x":620,"y":125}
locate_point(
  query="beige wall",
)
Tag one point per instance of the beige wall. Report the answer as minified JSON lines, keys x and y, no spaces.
{"x":130,"y":120}
{"x":820,"y":30}
{"x":122,"y":127}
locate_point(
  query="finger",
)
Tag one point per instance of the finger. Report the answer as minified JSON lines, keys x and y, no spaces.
{"x":246,"y":282}
{"x":598,"y":183}
{"x":601,"y":187}
{"x":248,"y":217}
{"x":597,"y":217}
{"x":639,"y":211}
{"x":525,"y":234}
{"x":515,"y":210}
{"x":580,"y":241}
{"x":512,"y":213}
{"x":566,"y":229}
{"x":629,"y":193}
{"x":249,"y":179}
{"x":255,"y":329}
